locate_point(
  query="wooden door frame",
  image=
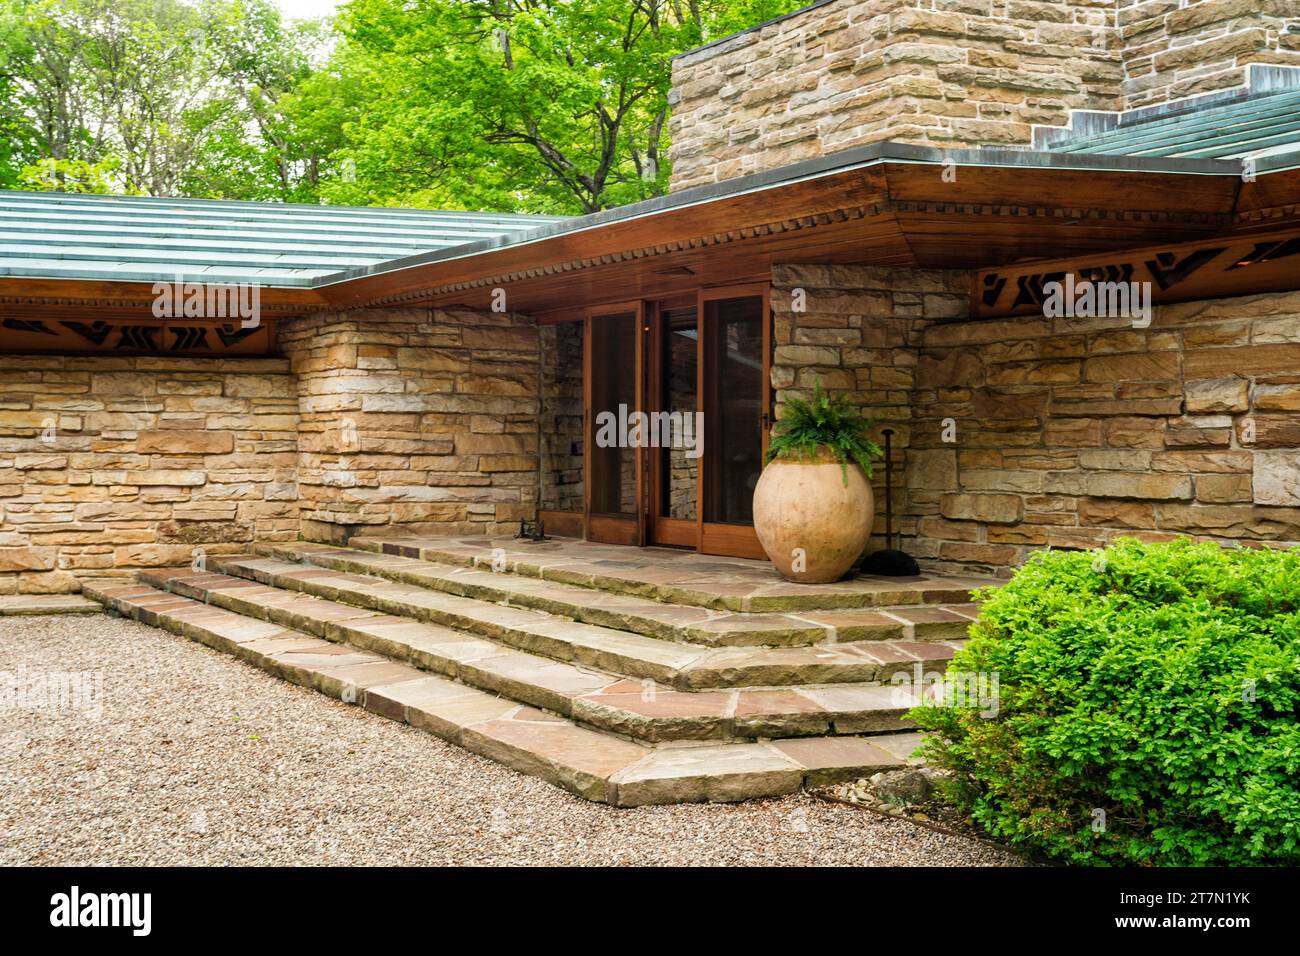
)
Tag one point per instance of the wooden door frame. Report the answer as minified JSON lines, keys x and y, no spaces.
{"x":612,"y":529}
{"x":672,"y":532}
{"x":715,"y":537}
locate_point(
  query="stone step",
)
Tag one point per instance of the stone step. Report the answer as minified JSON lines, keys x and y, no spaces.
{"x":678,"y":664}
{"x":639,"y":709}
{"x":592,"y":764}
{"x":642,"y":615}
{"x":30,"y":605}
{"x":675,"y":577}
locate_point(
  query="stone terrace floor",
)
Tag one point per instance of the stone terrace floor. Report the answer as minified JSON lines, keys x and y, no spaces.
{"x":738,"y":584}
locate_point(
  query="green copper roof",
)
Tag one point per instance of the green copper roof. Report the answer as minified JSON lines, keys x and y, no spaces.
{"x":133,"y":238}
{"x":1253,"y":126}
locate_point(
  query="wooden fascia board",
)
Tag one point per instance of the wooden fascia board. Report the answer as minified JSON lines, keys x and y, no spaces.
{"x":133,"y":295}
{"x":726,"y":219}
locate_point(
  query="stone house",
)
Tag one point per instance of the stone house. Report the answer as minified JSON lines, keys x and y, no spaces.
{"x":873,"y":194}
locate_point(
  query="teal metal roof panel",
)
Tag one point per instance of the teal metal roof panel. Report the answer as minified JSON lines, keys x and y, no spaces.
{"x":135,"y":238}
{"x":1252,"y":126}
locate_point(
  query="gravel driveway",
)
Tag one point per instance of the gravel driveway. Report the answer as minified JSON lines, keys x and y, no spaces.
{"x":191,"y":757}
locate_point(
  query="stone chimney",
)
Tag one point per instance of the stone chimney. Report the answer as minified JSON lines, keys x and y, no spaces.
{"x":959,"y":73}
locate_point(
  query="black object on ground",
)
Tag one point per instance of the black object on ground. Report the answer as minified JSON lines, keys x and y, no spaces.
{"x":890,"y":562}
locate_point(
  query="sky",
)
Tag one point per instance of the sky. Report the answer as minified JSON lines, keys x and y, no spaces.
{"x":307,"y":9}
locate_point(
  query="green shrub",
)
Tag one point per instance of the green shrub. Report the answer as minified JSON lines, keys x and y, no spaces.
{"x":1155,"y":682}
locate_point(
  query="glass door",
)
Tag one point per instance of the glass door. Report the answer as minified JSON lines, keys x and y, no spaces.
{"x":735,"y":336}
{"x":613,"y":397}
{"x":676,"y":423}
{"x":677,"y":403}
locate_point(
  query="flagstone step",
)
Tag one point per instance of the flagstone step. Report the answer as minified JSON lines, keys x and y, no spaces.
{"x":642,"y":615}
{"x":675,"y":577}
{"x":639,"y":709}
{"x":592,"y":764}
{"x":29,"y":605}
{"x":678,"y":664}
{"x":545,"y":673}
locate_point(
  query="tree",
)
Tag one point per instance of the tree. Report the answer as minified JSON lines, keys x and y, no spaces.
{"x":71,"y":176}
{"x":536,"y":105}
{"x":255,"y":140}
{"x":510,"y":105}
{"x":18,"y":147}
{"x":161,"y":96}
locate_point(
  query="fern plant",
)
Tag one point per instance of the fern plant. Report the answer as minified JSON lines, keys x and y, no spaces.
{"x":823,"y":422}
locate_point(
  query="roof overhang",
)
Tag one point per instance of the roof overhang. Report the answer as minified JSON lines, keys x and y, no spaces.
{"x":886,"y":204}
{"x":25,"y":296}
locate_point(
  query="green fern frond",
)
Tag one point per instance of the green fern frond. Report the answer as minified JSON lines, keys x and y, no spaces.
{"x":823,"y":422}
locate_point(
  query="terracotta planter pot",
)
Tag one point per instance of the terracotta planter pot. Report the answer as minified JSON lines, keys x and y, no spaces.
{"x":807,"y":507}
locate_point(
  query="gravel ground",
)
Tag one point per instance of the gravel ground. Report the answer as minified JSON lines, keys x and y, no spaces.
{"x":199,"y":759}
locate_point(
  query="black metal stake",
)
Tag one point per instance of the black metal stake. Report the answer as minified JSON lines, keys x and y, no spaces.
{"x":890,"y":561}
{"x":889,"y":488}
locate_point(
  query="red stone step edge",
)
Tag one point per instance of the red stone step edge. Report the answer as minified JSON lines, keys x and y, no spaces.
{"x":606,"y":701}
{"x":648,"y":616}
{"x":588,"y":763}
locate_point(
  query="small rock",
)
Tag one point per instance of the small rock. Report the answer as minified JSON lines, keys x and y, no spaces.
{"x":904,"y":787}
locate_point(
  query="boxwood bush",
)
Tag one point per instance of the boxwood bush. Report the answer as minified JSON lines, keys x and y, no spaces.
{"x":1147,"y":707}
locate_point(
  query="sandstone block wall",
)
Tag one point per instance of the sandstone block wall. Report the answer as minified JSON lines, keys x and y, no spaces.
{"x":1018,"y":434}
{"x":953,"y":73}
{"x":1071,"y":432}
{"x":859,"y":335}
{"x":113,"y":464}
{"x":422,"y":420}
{"x":562,"y":396}
{"x":1173,"y":50}
{"x":948,"y":72}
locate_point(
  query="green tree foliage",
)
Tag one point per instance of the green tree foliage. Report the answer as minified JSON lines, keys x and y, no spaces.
{"x":513,"y":105}
{"x":72,"y":176}
{"x":253,"y":140}
{"x":1149,"y":707}
{"x":468,"y":100}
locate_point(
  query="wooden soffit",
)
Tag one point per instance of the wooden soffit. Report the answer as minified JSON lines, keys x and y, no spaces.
{"x":65,"y":315}
{"x":889,"y":212}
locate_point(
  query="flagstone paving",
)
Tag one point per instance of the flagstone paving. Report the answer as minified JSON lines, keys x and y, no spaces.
{"x":25,"y":605}
{"x":643,"y":709}
{"x":681,"y":664}
{"x":623,"y":696}
{"x":653,"y":618}
{"x":680,"y":577}
{"x":596,"y":765}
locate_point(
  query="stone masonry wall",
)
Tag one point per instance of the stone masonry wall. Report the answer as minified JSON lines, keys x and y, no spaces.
{"x":859,"y":335}
{"x":112,"y":464}
{"x":1072,"y":432}
{"x":425,"y":420}
{"x":948,"y":72}
{"x":562,"y":439}
{"x":1173,"y":50}
{"x":953,"y":73}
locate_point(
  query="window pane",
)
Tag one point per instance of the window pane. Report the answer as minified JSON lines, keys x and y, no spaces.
{"x":679,"y":470}
{"x":734,"y":329}
{"x":613,"y":390}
